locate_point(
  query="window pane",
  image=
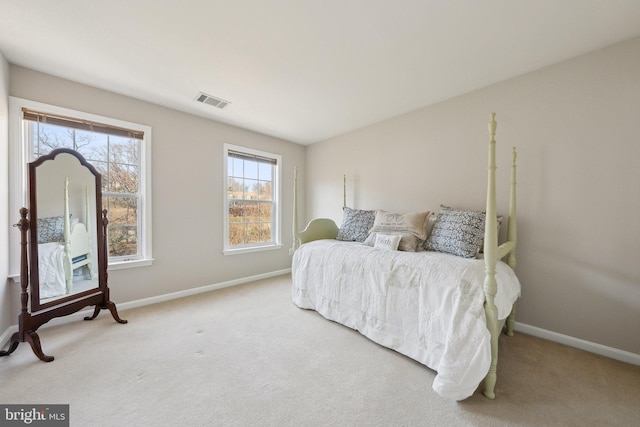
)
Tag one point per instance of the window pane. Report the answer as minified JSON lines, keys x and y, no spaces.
{"x":236,"y":234}
{"x":250,"y":189}
{"x":123,"y":178}
{"x":92,"y":145}
{"x":236,"y":212}
{"x":236,"y":168}
{"x":123,"y":241}
{"x":123,"y":150}
{"x":121,"y":210}
{"x":250,"y":169}
{"x":252,"y":212}
{"x":123,"y":225}
{"x":265,"y":212}
{"x":265,"y":232}
{"x":265,"y":190}
{"x":235,"y":188}
{"x":265,"y":171}
{"x":252,"y":233}
{"x":49,"y":137}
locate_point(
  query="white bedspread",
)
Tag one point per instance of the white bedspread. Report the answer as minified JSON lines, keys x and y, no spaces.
{"x":426,"y":305}
{"x":51,"y":270}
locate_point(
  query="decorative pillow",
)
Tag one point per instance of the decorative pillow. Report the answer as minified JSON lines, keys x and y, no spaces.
{"x":408,"y":241}
{"x":457,"y":232}
{"x":387,"y":242}
{"x":414,"y":223}
{"x":51,"y":229}
{"x":355,"y":224}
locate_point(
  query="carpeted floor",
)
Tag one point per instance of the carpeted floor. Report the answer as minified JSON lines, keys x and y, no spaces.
{"x":246,"y":356}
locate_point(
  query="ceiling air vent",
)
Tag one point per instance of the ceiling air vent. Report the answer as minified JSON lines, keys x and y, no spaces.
{"x":212,"y":100}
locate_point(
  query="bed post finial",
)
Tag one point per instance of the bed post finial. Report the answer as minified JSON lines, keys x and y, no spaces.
{"x":492,"y":125}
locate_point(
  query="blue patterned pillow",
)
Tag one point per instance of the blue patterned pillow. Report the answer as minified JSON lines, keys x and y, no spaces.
{"x":355,"y":224}
{"x":457,"y":232}
{"x":51,"y":229}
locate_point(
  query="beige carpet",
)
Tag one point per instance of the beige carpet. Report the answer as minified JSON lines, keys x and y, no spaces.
{"x":246,"y":356}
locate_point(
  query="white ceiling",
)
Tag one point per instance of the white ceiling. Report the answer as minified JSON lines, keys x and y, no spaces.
{"x":304,"y":70}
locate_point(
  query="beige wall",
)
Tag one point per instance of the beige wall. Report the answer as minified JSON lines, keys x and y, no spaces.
{"x":187,"y":188}
{"x":6,"y":293}
{"x":577,"y":129}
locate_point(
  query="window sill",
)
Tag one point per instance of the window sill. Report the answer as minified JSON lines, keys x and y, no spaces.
{"x":251,"y":249}
{"x":122,"y":265}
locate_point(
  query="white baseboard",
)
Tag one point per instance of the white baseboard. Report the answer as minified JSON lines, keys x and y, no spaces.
{"x":80,"y":315}
{"x":200,"y":290}
{"x":602,"y":350}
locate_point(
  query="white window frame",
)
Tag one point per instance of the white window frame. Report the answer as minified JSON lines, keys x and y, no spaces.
{"x":20,"y":154}
{"x":276,"y":212}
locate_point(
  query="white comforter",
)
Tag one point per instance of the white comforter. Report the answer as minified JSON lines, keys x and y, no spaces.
{"x":426,"y":305}
{"x":51,"y":270}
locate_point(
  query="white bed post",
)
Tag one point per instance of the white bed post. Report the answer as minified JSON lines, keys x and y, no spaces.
{"x":490,"y":259}
{"x":512,"y":235}
{"x":296,"y":242}
{"x":344,"y":191}
{"x":68,"y":271}
{"x":87,"y":221}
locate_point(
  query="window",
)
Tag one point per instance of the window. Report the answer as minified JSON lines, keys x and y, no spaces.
{"x":251,"y":200}
{"x":119,"y":151}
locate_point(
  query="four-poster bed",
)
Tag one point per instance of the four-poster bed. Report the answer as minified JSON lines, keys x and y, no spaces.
{"x":443,"y":310}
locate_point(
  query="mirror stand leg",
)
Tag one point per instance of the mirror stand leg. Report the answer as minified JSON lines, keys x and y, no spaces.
{"x":96,"y":311}
{"x":33,"y":339}
{"x":111,"y":307}
{"x":15,"y":340}
{"x":114,"y":312}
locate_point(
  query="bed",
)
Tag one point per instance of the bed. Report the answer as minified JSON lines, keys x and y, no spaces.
{"x":64,"y":245}
{"x":444,"y":309}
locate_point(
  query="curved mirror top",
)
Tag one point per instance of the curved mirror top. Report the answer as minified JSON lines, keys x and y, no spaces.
{"x":66,"y":228}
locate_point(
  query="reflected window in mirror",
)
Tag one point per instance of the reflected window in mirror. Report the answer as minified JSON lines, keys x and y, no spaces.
{"x":119,"y":151}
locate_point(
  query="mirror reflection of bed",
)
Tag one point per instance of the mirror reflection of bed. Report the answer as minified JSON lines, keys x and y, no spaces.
{"x":66,"y":231}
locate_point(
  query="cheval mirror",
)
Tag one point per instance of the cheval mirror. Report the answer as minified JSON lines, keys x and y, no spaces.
{"x":64,"y":253}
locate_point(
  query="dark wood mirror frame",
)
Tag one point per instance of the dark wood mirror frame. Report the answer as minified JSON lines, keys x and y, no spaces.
{"x":30,"y":320}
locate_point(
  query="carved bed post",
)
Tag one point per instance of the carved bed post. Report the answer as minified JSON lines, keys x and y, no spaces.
{"x":344,"y":191}
{"x":68,"y":263}
{"x":295,"y":243}
{"x":490,"y":258}
{"x":87,"y":222}
{"x":512,"y":235}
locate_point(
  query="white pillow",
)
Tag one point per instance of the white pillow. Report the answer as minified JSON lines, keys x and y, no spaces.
{"x":387,"y":242}
{"x":414,"y":223}
{"x":408,"y":241}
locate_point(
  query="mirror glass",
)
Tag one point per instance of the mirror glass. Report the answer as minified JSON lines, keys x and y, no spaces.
{"x":64,"y":262}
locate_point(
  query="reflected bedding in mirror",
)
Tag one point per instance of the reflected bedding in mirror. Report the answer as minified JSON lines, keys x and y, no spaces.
{"x":51,"y":263}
